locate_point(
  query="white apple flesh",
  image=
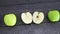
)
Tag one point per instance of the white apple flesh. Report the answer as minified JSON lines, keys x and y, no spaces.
{"x":26,"y":17}
{"x":38,"y":17}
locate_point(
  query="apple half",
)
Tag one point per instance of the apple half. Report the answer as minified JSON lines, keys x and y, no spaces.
{"x":26,"y":17}
{"x":38,"y":17}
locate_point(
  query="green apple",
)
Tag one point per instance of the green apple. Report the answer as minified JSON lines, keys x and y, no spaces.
{"x":10,"y":19}
{"x":53,"y":15}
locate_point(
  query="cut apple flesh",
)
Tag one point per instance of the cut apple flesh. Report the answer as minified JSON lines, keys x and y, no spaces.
{"x":38,"y":17}
{"x":26,"y":17}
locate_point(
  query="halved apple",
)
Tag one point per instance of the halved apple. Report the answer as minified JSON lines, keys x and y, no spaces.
{"x":38,"y":17}
{"x":26,"y":17}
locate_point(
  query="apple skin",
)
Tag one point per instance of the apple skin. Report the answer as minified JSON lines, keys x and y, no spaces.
{"x":53,"y":15}
{"x":26,"y":17}
{"x":39,"y":19}
{"x":10,"y":19}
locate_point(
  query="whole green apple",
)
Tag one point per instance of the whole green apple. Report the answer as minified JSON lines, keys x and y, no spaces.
{"x":10,"y":19}
{"x":53,"y":15}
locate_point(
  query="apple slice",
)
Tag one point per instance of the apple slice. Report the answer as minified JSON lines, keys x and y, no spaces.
{"x":38,"y":17}
{"x":26,"y":17}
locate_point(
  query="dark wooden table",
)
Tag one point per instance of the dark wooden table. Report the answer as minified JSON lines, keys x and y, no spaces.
{"x":16,"y":7}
